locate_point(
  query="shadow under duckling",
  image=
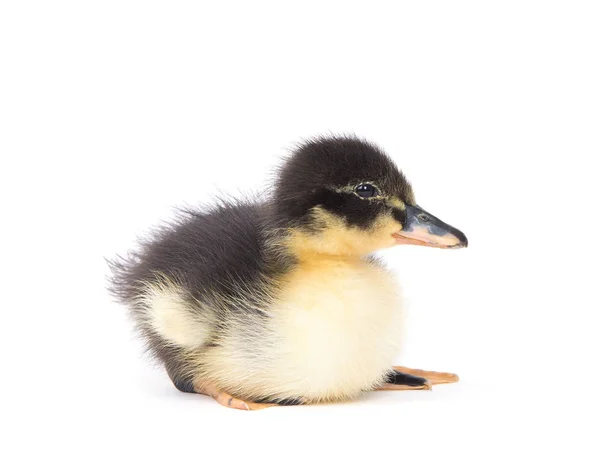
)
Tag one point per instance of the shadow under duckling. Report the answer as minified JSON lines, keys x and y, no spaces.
{"x":280,"y":302}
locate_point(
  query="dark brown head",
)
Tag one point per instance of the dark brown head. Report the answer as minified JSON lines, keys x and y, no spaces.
{"x":343,"y":195}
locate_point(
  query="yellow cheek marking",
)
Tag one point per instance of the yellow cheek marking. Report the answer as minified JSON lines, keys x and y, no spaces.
{"x":397,"y":203}
{"x":336,"y":238}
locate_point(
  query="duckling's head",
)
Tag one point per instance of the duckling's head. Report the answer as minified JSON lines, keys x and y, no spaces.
{"x":345,"y":196}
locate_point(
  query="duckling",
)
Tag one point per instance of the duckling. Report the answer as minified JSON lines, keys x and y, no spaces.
{"x":281,"y":301}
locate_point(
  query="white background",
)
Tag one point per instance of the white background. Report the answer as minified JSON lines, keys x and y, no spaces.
{"x":114,"y":112}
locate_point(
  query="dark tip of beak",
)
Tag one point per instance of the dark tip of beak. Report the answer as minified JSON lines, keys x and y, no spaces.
{"x":463,"y":241}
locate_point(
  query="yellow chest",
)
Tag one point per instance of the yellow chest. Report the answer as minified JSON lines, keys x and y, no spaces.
{"x":338,"y":325}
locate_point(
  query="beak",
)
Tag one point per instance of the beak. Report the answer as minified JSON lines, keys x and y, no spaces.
{"x":422,"y":228}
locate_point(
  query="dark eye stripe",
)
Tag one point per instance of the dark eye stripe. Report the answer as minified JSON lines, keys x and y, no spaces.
{"x":366,"y":190}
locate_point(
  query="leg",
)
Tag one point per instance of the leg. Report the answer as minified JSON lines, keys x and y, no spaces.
{"x":434,"y":377}
{"x":221,"y":397}
{"x":403,"y":381}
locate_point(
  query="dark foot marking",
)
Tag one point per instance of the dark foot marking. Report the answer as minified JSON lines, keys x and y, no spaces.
{"x":404,"y":379}
{"x":290,"y":402}
{"x":284,"y":402}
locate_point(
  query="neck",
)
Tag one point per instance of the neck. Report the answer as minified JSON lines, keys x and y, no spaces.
{"x":321,"y":246}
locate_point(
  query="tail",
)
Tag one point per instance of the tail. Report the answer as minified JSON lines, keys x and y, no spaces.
{"x":123,"y":280}
{"x":159,"y":304}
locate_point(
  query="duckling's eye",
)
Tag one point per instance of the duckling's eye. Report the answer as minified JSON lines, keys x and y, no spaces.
{"x":366,"y":190}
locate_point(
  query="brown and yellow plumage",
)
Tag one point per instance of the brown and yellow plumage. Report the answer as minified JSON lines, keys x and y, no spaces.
{"x":280,"y":301}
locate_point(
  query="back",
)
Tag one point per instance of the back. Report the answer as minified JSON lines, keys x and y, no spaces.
{"x":216,"y":251}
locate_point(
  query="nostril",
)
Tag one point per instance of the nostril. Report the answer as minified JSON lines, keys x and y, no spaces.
{"x":424,"y":218}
